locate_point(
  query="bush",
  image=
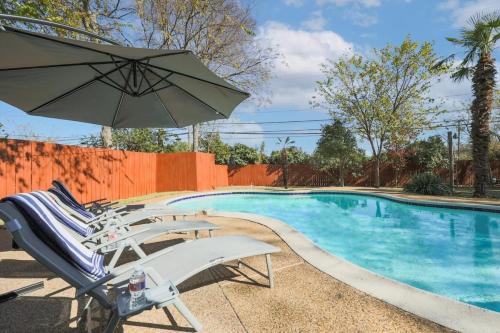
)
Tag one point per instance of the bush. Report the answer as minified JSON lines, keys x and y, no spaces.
{"x":427,"y":183}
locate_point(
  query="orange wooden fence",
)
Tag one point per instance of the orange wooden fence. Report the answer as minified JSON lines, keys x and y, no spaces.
{"x":305,"y":175}
{"x":272,"y":175}
{"x":94,"y":174}
{"x":189,"y":171}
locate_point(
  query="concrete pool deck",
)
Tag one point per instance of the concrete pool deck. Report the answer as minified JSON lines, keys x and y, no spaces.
{"x":305,"y":299}
{"x":444,"y":311}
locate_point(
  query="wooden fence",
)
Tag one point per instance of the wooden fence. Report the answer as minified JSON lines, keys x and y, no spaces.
{"x":94,"y":174}
{"x":305,"y":175}
{"x":272,"y":175}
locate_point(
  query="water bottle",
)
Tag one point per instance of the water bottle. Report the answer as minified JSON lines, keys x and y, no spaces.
{"x":112,"y":235}
{"x":137,"y":287}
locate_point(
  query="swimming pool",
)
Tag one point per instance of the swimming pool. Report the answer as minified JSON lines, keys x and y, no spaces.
{"x":451,"y":252}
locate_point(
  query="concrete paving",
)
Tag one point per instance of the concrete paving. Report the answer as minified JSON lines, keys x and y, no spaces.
{"x":224,"y":299}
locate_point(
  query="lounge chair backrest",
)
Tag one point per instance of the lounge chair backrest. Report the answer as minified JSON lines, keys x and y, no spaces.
{"x":62,"y":188}
{"x":27,"y":239}
{"x":62,"y":214}
{"x":67,"y":201}
{"x":89,"y":262}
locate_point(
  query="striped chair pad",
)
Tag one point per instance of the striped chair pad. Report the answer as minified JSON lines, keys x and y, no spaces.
{"x":77,"y":208}
{"x":36,"y":212}
{"x":62,"y":215}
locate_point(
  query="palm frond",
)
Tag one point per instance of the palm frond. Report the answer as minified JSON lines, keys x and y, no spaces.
{"x":483,"y":18}
{"x":443,"y":62}
{"x":455,"y":41}
{"x":469,"y":57}
{"x":495,"y":38}
{"x":492,"y":20}
{"x":462,"y":73}
{"x":478,"y":37}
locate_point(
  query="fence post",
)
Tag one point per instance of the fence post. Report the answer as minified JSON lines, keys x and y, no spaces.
{"x":450,"y":160}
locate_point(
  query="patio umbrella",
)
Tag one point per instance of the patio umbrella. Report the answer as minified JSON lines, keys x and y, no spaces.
{"x":110,"y":85}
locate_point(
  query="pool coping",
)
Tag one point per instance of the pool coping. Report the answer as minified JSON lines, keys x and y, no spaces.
{"x":439,"y":309}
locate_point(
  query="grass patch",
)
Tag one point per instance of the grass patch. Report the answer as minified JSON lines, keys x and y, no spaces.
{"x":151,"y":196}
{"x":466,"y":192}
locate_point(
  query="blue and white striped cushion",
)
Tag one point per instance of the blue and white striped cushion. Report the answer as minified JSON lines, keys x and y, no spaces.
{"x":64,"y":190}
{"x":62,"y":215}
{"x":70,"y":203}
{"x":88,"y":261}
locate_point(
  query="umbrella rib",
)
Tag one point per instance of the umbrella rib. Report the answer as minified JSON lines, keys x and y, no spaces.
{"x":113,"y":86}
{"x":118,"y":107}
{"x":110,"y":79}
{"x":143,"y":72}
{"x":163,"y":55}
{"x":162,"y":79}
{"x":200,"y":79}
{"x":161,"y":102}
{"x":69,"y":92}
{"x":166,"y":109}
{"x":59,"y":65}
{"x":24,"y":32}
{"x":123,"y":76}
{"x":151,"y":90}
{"x":193,"y":96}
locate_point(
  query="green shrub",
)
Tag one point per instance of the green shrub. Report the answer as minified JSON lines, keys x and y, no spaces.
{"x":427,"y":183}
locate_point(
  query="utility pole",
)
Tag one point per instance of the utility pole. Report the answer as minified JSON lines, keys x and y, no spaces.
{"x":459,"y":129}
{"x":450,"y":160}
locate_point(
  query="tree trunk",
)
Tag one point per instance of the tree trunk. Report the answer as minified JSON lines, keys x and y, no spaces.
{"x":341,"y":175}
{"x":377,"y":172}
{"x":106,"y":136}
{"x":285,"y":169}
{"x":483,"y":84}
{"x":196,"y":136}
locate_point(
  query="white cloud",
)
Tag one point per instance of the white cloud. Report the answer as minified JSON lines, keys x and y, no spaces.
{"x":355,"y":11}
{"x":361,"y":18}
{"x":302,"y":52}
{"x":460,"y":11}
{"x":315,"y":22}
{"x":294,"y":3}
{"x":364,"y":3}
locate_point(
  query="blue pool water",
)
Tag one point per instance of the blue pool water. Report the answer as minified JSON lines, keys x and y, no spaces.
{"x":455,"y":253}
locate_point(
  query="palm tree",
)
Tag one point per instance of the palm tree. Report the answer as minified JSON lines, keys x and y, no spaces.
{"x":286,"y":143}
{"x":479,"y":39}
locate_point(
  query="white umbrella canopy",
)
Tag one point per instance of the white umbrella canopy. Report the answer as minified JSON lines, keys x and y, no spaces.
{"x":110,"y":85}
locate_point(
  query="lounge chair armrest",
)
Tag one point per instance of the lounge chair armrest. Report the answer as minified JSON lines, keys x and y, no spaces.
{"x":102,"y":231}
{"x":102,"y":219}
{"x":114,"y":273}
{"x":98,"y":201}
{"x":96,"y":284}
{"x":123,"y":237}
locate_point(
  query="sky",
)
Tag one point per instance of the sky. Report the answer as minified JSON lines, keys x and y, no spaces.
{"x":306,"y":33}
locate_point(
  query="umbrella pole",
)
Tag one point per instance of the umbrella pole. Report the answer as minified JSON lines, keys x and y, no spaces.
{"x":52,"y":24}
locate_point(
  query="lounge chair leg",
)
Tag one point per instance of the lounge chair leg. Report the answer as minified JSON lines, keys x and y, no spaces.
{"x":138,"y":250}
{"x":210,"y":233}
{"x":196,"y":234}
{"x":116,"y":256}
{"x":240,"y":264}
{"x":270,"y":271}
{"x":89,"y":317}
{"x":188,"y":315}
{"x":112,"y":322}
